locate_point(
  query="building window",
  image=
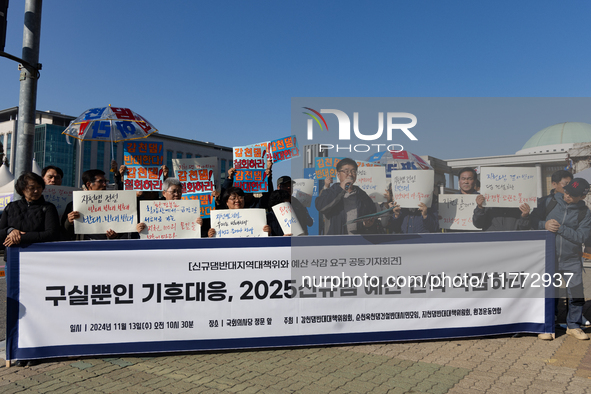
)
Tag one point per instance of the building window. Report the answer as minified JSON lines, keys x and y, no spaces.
{"x":189,"y":155}
{"x":86,"y":160}
{"x":169,"y":163}
{"x":100,"y":155}
{"x":179,"y":155}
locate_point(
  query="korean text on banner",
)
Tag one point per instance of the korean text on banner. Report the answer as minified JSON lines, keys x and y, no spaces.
{"x":411,"y":187}
{"x":103,"y":210}
{"x":170,"y":219}
{"x":456,"y":211}
{"x":60,"y":196}
{"x":234,"y":223}
{"x":287,"y":219}
{"x":5,"y":199}
{"x":509,"y":186}
{"x":303,"y":189}
{"x":250,"y":163}
{"x":198,"y":180}
{"x":143,"y":161}
{"x":326,"y":167}
{"x":284,"y":148}
{"x":372,"y":180}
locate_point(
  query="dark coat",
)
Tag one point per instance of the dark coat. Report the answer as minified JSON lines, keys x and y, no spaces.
{"x":38,"y":219}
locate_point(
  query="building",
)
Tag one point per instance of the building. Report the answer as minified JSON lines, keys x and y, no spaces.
{"x":51,"y":147}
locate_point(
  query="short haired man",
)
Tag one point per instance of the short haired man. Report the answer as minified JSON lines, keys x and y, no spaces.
{"x":52,"y":175}
{"x":467,"y":178}
{"x":570,"y":220}
{"x":559,"y":180}
{"x":92,"y":180}
{"x":344,"y":202}
{"x":301,"y":212}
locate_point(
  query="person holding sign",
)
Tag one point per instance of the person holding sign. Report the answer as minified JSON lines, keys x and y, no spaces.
{"x":30,"y":219}
{"x":285,"y":183}
{"x":277,"y":197}
{"x":250,"y":200}
{"x":467,"y":178}
{"x":233,"y":198}
{"x":342,"y":203}
{"x":413,"y":220}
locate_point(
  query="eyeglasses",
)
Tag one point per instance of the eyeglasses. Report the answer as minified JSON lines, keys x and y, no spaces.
{"x":175,"y":191}
{"x":234,"y":198}
{"x":33,"y":188}
{"x":349,"y":172}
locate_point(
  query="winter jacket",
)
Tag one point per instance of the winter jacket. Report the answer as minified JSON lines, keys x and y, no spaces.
{"x":500,"y":219}
{"x":38,"y":219}
{"x":411,"y":221}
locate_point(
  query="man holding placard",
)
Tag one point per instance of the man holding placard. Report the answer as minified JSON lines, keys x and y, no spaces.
{"x":301,"y":213}
{"x":343,"y":202}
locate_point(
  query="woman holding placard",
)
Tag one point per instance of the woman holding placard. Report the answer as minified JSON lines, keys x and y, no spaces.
{"x":233,"y":198}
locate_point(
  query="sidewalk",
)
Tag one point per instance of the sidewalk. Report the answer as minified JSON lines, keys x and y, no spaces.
{"x":501,"y":364}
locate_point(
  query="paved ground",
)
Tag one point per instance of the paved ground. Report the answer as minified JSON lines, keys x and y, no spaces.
{"x":493,"y":365}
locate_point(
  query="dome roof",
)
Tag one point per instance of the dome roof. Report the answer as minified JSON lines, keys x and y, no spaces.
{"x":561,"y":133}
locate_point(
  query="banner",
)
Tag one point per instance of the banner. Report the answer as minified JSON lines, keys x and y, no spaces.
{"x":326,"y":167}
{"x":170,"y":219}
{"x":509,"y":186}
{"x":60,"y":196}
{"x":143,"y":160}
{"x":372,"y":180}
{"x":5,"y":199}
{"x":105,"y":297}
{"x":233,"y":223}
{"x":197,"y":177}
{"x":456,"y":211}
{"x":411,"y":187}
{"x":303,"y":190}
{"x":284,"y":148}
{"x":104,"y":210}
{"x":250,"y":163}
{"x":287,"y":219}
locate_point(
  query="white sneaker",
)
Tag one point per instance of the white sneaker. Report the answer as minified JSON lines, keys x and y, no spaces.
{"x":577,"y":333}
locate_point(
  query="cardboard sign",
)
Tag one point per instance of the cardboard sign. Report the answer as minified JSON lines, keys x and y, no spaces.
{"x":170,"y":219}
{"x":303,"y":190}
{"x":287,"y":219}
{"x":284,"y":148}
{"x":197,"y":177}
{"x":103,"y":210}
{"x":372,"y":180}
{"x":411,"y":187}
{"x":143,"y":161}
{"x":250,"y":163}
{"x":456,"y":211}
{"x":233,"y":223}
{"x":60,"y":196}
{"x":509,"y":186}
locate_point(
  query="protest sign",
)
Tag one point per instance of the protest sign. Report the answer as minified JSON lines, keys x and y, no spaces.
{"x":303,"y":189}
{"x":102,"y":210}
{"x":232,"y":223}
{"x":5,"y":199}
{"x":326,"y":167}
{"x":509,"y":186}
{"x":197,"y":177}
{"x":411,"y":187}
{"x":250,"y":163}
{"x":287,"y":219}
{"x":372,"y":180}
{"x":143,"y":160}
{"x":456,"y":211}
{"x":284,"y":148}
{"x":170,"y":219}
{"x":59,"y":196}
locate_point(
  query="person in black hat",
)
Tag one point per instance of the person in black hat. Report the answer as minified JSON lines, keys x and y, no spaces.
{"x":304,"y":218}
{"x":570,"y":219}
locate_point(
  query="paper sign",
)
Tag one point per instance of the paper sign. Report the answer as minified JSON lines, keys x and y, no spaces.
{"x":59,"y":196}
{"x":233,"y":223}
{"x":327,"y":166}
{"x":170,"y":219}
{"x":303,"y":189}
{"x":372,"y":180}
{"x":250,"y":163}
{"x":284,"y":148}
{"x":103,"y":210}
{"x":287,"y":219}
{"x":197,"y":177}
{"x":143,"y":161}
{"x":206,"y":203}
{"x":456,"y":211}
{"x":411,"y":187}
{"x":509,"y":186}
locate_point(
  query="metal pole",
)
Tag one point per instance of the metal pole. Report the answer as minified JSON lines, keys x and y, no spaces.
{"x":28,"y":89}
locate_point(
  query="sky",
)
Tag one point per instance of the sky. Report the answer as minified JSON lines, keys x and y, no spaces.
{"x":226,"y":71}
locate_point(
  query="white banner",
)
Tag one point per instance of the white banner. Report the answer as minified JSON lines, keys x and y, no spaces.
{"x":303,"y":189}
{"x":104,"y":210}
{"x":60,"y":196}
{"x":411,"y":187}
{"x":233,"y":223}
{"x":287,"y":219}
{"x":372,"y":180}
{"x":146,"y":296}
{"x":456,"y":211}
{"x":509,"y":186}
{"x":170,"y":219}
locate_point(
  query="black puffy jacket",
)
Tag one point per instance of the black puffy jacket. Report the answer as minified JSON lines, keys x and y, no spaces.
{"x":37,"y":219}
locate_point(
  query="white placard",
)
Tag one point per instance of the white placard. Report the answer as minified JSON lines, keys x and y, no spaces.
{"x":411,"y":187}
{"x":303,"y":189}
{"x":287,"y":219}
{"x":170,"y":219}
{"x":372,"y":180}
{"x":456,"y":211}
{"x":509,"y":186}
{"x":104,"y":210}
{"x":60,"y":196}
{"x":234,"y":223}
